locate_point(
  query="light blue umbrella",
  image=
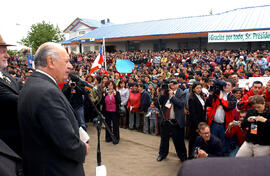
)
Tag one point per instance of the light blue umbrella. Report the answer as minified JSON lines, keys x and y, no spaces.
{"x":124,"y":66}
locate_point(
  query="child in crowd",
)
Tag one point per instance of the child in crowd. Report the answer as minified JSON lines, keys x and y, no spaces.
{"x":152,"y":113}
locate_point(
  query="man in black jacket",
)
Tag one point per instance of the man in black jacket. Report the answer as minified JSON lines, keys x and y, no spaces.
{"x":50,"y":132}
{"x":145,"y":103}
{"x":207,"y":145}
{"x":9,"y":90}
{"x":172,"y":104}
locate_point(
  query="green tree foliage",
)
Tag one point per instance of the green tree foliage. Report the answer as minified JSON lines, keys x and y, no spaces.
{"x":40,"y":33}
{"x":11,"y":53}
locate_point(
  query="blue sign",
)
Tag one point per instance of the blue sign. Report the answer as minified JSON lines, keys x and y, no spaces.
{"x":30,"y":60}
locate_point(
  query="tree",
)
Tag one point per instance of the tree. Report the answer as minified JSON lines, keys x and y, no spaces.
{"x":40,"y":33}
{"x":11,"y":53}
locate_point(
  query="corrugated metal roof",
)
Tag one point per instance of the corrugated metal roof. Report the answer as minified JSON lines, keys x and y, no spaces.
{"x":70,"y":40}
{"x":248,"y":18}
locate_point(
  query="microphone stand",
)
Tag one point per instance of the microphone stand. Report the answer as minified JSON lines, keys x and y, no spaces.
{"x":100,"y":170}
{"x":98,"y":122}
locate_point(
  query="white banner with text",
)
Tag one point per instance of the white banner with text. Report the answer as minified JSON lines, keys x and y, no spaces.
{"x":250,"y":36}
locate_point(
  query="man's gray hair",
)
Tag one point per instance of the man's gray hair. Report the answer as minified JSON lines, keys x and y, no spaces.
{"x":46,"y":50}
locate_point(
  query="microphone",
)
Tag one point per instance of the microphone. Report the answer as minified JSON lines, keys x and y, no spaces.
{"x":79,"y":81}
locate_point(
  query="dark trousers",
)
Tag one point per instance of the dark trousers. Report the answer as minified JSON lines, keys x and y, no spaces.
{"x":112,"y":118}
{"x":192,"y":139}
{"x":173,"y":130}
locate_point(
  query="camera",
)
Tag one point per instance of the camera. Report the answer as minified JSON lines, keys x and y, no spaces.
{"x":108,"y":91}
{"x":252,"y":117}
{"x":218,"y":86}
{"x":72,"y":84}
{"x":196,"y":151}
{"x":165,"y":84}
{"x":235,"y":123}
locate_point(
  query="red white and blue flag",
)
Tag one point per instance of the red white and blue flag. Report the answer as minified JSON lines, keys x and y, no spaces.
{"x":98,"y":61}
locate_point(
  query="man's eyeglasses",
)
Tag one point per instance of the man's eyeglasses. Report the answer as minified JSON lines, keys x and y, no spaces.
{"x":206,"y":133}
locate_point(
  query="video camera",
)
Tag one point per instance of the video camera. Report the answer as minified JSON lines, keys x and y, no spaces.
{"x":217,"y":87}
{"x":73,"y":84}
{"x":165,"y":84}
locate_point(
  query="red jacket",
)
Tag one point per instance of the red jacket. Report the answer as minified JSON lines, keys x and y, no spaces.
{"x":228,"y":106}
{"x":243,"y":104}
{"x":134,"y":100}
{"x":267,"y":96}
{"x":240,"y":134}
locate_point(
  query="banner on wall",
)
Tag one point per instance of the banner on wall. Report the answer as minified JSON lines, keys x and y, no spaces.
{"x":250,"y":36}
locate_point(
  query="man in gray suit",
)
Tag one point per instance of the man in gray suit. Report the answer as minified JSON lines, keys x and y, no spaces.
{"x":50,"y":134}
{"x":173,"y":123}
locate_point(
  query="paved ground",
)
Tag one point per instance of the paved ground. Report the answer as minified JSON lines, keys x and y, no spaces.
{"x":135,"y":155}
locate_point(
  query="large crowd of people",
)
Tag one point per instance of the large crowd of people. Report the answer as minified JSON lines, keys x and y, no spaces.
{"x":175,"y":93}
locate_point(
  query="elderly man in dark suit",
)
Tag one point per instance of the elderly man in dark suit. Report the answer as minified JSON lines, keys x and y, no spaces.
{"x":9,"y":126}
{"x":173,"y":123}
{"x":50,"y":133}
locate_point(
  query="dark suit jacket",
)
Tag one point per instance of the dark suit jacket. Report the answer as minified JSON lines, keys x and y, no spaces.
{"x":197,"y":113}
{"x":50,"y":135}
{"x":9,"y":126}
{"x":145,"y":101}
{"x":178,"y":101}
{"x":10,"y":162}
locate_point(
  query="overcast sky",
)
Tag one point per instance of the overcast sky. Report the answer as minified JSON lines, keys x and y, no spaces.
{"x":16,"y":16}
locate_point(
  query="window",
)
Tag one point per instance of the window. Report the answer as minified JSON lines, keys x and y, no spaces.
{"x":81,"y":32}
{"x":96,"y":47}
{"x":73,"y":48}
{"x":86,"y":49}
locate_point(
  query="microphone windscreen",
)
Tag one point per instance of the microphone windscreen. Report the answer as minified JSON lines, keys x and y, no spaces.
{"x":73,"y":77}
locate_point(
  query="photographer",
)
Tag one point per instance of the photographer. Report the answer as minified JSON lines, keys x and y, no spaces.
{"x":172,"y":104}
{"x":75,"y":95}
{"x":206,"y":145}
{"x":220,"y":110}
{"x":257,"y":120}
{"x":234,"y":130}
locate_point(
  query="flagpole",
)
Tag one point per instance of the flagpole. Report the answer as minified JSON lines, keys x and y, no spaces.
{"x":105,"y":62}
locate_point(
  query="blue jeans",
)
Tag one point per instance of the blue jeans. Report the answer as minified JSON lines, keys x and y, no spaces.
{"x":80,"y":117}
{"x":218,"y":130}
{"x":234,"y":152}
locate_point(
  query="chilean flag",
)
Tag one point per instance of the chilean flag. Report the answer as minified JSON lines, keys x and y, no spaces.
{"x":98,"y":61}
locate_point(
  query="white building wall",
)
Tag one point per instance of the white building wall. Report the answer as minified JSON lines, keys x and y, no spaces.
{"x":72,"y":34}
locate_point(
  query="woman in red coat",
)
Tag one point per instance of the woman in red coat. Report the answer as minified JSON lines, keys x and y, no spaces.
{"x":134,"y":103}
